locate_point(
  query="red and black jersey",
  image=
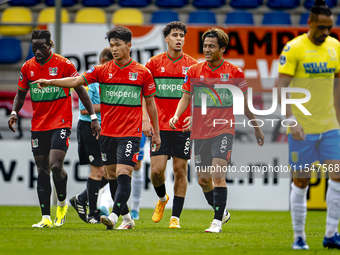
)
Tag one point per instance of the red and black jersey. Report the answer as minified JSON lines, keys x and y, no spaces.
{"x":52,"y":106}
{"x":121,"y":91}
{"x":201,"y":82}
{"x":169,"y":75}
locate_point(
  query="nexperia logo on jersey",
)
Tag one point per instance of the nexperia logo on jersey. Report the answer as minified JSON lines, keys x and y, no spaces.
{"x":317,"y":67}
{"x":169,"y":87}
{"x":120,"y":94}
{"x":46,"y":94}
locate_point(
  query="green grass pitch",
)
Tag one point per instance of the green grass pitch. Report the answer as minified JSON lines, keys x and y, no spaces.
{"x":247,"y":232}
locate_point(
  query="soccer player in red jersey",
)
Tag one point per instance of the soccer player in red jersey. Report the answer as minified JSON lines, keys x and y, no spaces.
{"x":51,"y":122}
{"x":213,"y":145}
{"x":123,"y":83}
{"x":169,"y":69}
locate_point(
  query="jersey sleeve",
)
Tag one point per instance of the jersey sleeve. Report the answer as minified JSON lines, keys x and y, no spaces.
{"x":149,"y":65}
{"x":186,"y":82}
{"x":91,"y":75}
{"x":71,"y":70}
{"x":149,"y":87}
{"x":338,"y":66}
{"x":23,"y":81}
{"x":288,"y":60}
{"x":241,"y":80}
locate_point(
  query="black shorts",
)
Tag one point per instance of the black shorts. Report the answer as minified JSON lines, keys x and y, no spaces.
{"x":89,"y":149}
{"x":174,"y":143}
{"x":216,"y":147}
{"x":44,"y":141}
{"x":120,"y":150}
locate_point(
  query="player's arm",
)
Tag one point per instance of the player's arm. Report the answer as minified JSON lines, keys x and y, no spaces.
{"x":147,"y":127}
{"x":152,"y":111}
{"x":96,"y":108}
{"x":86,"y":100}
{"x":181,"y":107}
{"x":18,"y":102}
{"x":258,"y":132}
{"x":336,"y":93}
{"x":296,"y":131}
{"x":69,"y":82}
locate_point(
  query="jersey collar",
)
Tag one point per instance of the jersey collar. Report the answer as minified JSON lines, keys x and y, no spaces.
{"x":122,"y":66}
{"x":48,"y":59}
{"x":174,"y":60}
{"x":216,"y":67}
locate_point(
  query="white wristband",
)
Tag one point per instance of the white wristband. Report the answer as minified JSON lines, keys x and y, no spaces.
{"x":291,"y":119}
{"x":13,"y":113}
{"x":93,"y":116}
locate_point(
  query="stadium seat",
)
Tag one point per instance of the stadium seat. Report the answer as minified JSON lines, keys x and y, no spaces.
{"x":47,"y":15}
{"x":283,"y":4}
{"x":171,"y":3}
{"x":128,"y":16}
{"x":241,"y":18}
{"x":23,"y":2}
{"x":10,"y":51}
{"x":64,"y":2}
{"x":208,"y":3}
{"x":245,"y":3}
{"x":202,"y":17}
{"x":90,"y":15}
{"x":16,"y":15}
{"x":134,"y":3}
{"x":310,"y":3}
{"x":164,"y":17}
{"x":97,"y":3}
{"x":276,"y":18}
{"x":338,"y":21}
{"x":304,"y":18}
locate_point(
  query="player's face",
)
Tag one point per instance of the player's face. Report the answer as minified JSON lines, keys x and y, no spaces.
{"x":41,"y":50}
{"x":320,"y":29}
{"x":120,"y":50}
{"x":175,"y":39}
{"x":212,"y":50}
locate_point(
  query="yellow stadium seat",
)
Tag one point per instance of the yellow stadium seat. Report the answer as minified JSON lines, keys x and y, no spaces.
{"x":16,"y":15}
{"x":90,"y":15}
{"x":128,"y":16}
{"x":47,"y":15}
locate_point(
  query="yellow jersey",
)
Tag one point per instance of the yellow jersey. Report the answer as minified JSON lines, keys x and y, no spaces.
{"x":313,"y":68}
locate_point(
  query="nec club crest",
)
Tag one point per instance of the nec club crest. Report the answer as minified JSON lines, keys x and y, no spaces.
{"x":185,"y":70}
{"x":53,"y":71}
{"x":224,"y":76}
{"x":133,"y":76}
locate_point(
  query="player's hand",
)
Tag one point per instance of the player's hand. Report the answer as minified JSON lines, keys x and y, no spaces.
{"x":13,"y":119}
{"x":187,"y":126}
{"x":172,"y":122}
{"x":155,"y":142}
{"x":298,"y":133}
{"x":95,"y":127}
{"x":259,"y":137}
{"x":42,"y":83}
{"x":147,"y":128}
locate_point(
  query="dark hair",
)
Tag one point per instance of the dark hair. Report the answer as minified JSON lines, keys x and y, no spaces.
{"x":42,"y":34}
{"x":222,"y":37}
{"x":105,"y":54}
{"x":122,"y":33}
{"x":319,"y":8}
{"x":176,"y":25}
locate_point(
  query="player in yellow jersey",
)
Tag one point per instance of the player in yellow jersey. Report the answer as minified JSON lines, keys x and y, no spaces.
{"x":313,"y":60}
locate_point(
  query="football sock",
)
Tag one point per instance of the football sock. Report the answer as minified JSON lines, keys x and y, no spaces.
{"x":298,"y":210}
{"x":136,"y":188}
{"x":103,"y":182}
{"x":209,"y":196}
{"x":92,"y":193}
{"x":60,"y":187}
{"x":113,"y":188}
{"x":44,"y":193}
{"x":333,"y":208}
{"x":122,"y":194}
{"x":47,"y":217}
{"x":220,"y":201}
{"x":82,"y":197}
{"x":160,"y":191}
{"x":177,"y":206}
